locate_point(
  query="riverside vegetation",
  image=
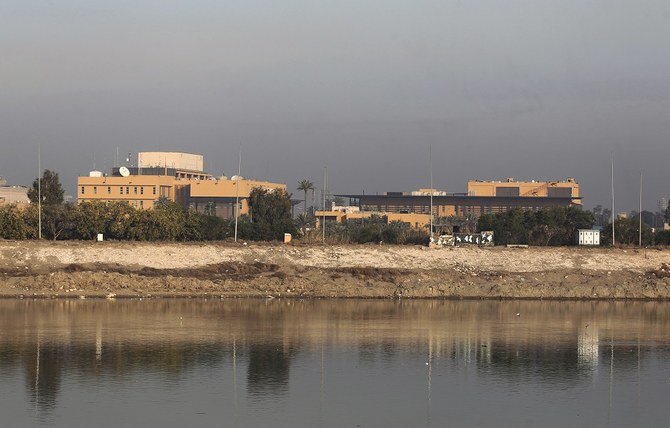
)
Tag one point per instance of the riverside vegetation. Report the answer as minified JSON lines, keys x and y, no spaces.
{"x":271,"y":216}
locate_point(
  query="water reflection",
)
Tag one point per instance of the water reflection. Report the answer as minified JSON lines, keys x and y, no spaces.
{"x":339,"y":345}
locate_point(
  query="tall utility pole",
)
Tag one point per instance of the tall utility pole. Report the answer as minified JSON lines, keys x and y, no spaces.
{"x":613,"y":212}
{"x":640,"y":214}
{"x":39,"y":191}
{"x":237,"y":191}
{"x":323,"y":219}
{"x":430,"y":168}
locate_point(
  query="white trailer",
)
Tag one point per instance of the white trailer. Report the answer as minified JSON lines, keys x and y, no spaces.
{"x":588,"y":237}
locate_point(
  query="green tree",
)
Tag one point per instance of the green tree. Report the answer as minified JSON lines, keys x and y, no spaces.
{"x":550,"y":226}
{"x":305,"y":186}
{"x":626,"y":231}
{"x":12,"y":223}
{"x":51,"y":189}
{"x":270,"y":214}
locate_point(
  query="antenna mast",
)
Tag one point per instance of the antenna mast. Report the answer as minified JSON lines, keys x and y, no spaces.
{"x":613,"y":214}
{"x":39,"y":191}
{"x":640,"y":214}
{"x":237,"y":191}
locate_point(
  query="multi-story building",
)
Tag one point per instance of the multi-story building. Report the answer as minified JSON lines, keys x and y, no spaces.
{"x":338,"y":214}
{"x":482,"y":197}
{"x":179,"y":178}
{"x":10,"y":195}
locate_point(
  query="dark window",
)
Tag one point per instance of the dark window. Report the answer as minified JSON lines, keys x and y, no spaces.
{"x":507,"y":191}
{"x":82,"y":190}
{"x":559,"y":192}
{"x":109,"y":190}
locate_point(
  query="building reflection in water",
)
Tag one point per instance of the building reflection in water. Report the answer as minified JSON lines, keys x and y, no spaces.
{"x":549,"y":342}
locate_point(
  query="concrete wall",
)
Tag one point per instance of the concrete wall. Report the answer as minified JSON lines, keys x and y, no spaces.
{"x":13,"y":195}
{"x":525,"y":188}
{"x":177,"y":160}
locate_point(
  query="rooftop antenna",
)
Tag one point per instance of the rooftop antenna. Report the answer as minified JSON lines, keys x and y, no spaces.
{"x":613,"y":212}
{"x":116,"y":160}
{"x":237,"y":190}
{"x":640,"y":213}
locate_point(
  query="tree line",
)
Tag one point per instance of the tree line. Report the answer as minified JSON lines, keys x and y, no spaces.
{"x":559,"y":226}
{"x":270,"y":217}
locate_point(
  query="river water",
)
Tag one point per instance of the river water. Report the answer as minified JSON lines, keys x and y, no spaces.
{"x":337,"y":363}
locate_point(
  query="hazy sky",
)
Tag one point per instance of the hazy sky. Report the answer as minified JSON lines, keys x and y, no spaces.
{"x":531,"y":89}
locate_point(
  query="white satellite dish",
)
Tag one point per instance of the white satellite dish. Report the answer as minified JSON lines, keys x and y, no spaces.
{"x":125,"y":172}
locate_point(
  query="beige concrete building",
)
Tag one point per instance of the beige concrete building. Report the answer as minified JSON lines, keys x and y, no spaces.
{"x":9,"y":195}
{"x":182,"y":181}
{"x":338,"y":214}
{"x":140,"y":191}
{"x":531,"y":189}
{"x":174,"y":160}
{"x":482,"y":197}
{"x":217,"y":196}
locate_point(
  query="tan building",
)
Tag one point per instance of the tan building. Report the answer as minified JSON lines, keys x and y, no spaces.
{"x":142,"y":187}
{"x":217,"y":196}
{"x":9,"y":195}
{"x":531,"y":189}
{"x":338,"y":214}
{"x":140,"y":191}
{"x":483,"y":197}
{"x":175,"y":160}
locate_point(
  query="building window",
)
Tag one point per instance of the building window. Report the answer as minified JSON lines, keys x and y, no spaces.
{"x":135,"y":190}
{"x":121,"y":190}
{"x":142,"y":190}
{"x":82,"y":190}
{"x":95,"y":190}
{"x":154,"y":190}
{"x":142,"y":204}
{"x":127,"y":190}
{"x":109,"y":190}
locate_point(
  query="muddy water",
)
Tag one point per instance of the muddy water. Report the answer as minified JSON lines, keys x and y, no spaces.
{"x":339,"y":363}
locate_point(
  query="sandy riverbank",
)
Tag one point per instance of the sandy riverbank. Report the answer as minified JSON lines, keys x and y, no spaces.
{"x":75,"y":269}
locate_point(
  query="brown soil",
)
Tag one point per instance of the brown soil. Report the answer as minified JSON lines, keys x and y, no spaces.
{"x":82,"y":269}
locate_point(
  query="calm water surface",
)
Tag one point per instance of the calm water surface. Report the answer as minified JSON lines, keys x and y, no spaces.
{"x":280,"y":363}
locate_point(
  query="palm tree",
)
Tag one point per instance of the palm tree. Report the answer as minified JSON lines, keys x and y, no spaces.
{"x":302,"y":222}
{"x":305,"y":186}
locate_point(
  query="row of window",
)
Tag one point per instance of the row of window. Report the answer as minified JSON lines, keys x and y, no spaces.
{"x":121,"y":190}
{"x":133,"y":203}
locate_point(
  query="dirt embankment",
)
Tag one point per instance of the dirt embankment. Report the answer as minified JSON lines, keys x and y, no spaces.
{"x":225,"y":270}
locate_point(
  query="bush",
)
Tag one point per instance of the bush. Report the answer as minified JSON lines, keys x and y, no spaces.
{"x":550,"y":226}
{"x":12,"y":223}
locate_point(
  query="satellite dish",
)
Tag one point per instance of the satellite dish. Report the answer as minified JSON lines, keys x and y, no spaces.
{"x":125,"y":172}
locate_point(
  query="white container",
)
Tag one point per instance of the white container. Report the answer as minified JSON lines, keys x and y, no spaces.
{"x":100,"y":237}
{"x":588,"y":237}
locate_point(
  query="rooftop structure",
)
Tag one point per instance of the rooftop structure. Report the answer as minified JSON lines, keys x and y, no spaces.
{"x":180,"y":179}
{"x":13,"y":194}
{"x":482,"y":197}
{"x":175,"y":160}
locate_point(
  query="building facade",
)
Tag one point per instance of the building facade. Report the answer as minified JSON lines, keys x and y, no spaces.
{"x":483,"y":197}
{"x":144,"y":185}
{"x":13,"y":195}
{"x":338,"y":214}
